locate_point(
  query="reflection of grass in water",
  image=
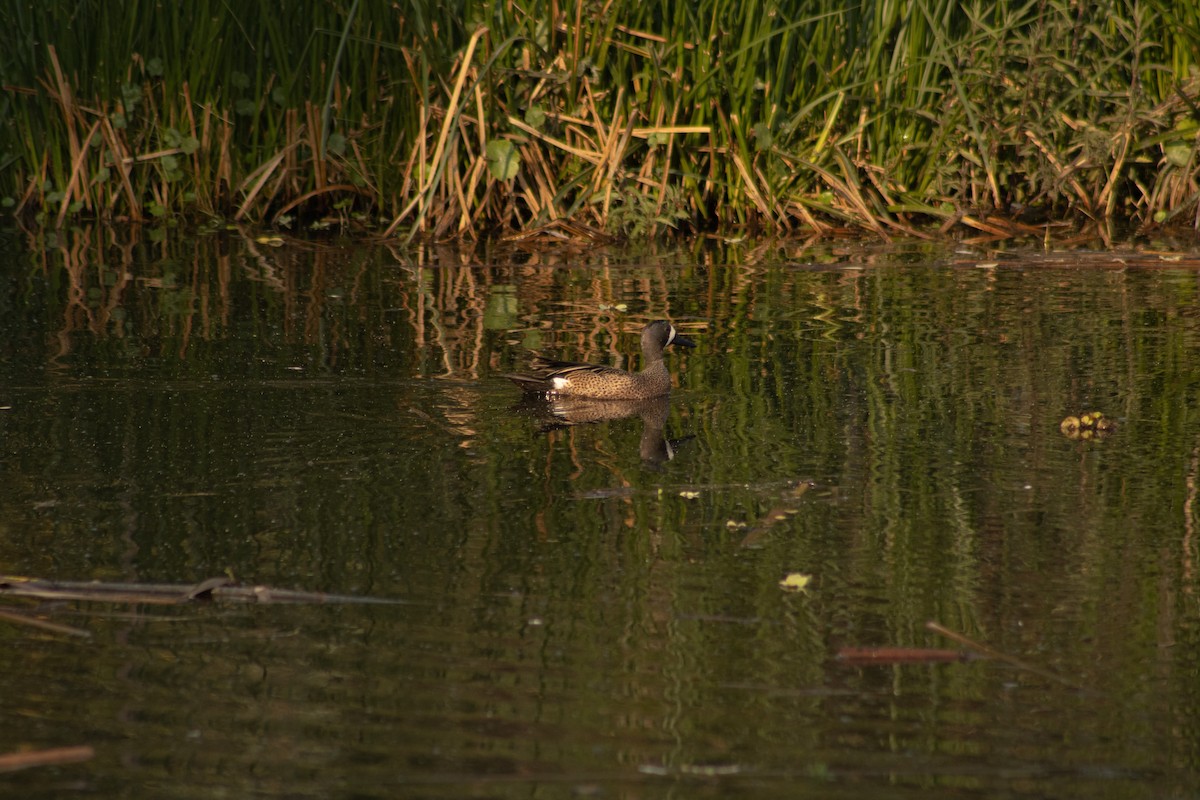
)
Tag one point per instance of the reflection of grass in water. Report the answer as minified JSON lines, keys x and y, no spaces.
{"x":641,"y":118}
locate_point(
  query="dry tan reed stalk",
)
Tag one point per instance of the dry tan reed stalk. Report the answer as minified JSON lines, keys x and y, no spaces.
{"x":669,"y":130}
{"x":1108,"y":196}
{"x":78,"y":170}
{"x":312,"y":131}
{"x":586,"y":155}
{"x":427,"y":182}
{"x":34,"y":184}
{"x":154,"y":155}
{"x":190,"y":114}
{"x":477,"y":174}
{"x":225,"y":156}
{"x":1065,"y":174}
{"x":361,"y":164}
{"x":257,"y":179}
{"x":480,"y":131}
{"x":460,"y":198}
{"x":611,"y":154}
{"x":778,"y":213}
{"x":66,"y":101}
{"x":660,"y":195}
{"x":853,"y":192}
{"x":122,"y":164}
{"x":809,"y":220}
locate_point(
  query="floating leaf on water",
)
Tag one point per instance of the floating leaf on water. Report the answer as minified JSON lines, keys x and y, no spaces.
{"x":688,"y":495}
{"x":795,"y":582}
{"x":1087,"y":425}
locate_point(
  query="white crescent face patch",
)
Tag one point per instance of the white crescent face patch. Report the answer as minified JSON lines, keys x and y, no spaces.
{"x":671,"y":338}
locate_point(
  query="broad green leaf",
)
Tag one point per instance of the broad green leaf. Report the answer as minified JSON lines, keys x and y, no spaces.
{"x":503,"y":160}
{"x":535,"y":116}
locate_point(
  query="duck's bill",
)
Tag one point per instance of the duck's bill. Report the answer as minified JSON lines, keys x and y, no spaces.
{"x":682,"y":341}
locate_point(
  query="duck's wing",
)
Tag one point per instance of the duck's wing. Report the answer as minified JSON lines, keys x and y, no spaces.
{"x":536,"y":384}
{"x":553,"y":368}
{"x":543,"y":371}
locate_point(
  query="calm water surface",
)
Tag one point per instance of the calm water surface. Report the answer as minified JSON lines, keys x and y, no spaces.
{"x":578,"y":614}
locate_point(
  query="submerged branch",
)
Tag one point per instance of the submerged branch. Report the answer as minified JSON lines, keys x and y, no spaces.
{"x":996,"y":655}
{"x":11,"y":762}
{"x":171,"y":594}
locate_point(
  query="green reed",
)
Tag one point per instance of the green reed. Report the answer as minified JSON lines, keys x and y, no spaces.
{"x":454,"y":119}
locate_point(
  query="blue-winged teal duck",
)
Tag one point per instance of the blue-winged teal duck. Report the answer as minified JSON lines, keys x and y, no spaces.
{"x":570,"y":379}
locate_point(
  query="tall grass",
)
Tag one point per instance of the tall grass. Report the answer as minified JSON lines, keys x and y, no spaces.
{"x":558,"y":118}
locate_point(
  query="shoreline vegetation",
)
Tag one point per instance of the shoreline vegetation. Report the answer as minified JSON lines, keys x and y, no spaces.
{"x":439,"y":121}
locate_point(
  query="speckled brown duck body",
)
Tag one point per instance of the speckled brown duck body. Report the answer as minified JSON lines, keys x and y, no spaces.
{"x":572,"y":379}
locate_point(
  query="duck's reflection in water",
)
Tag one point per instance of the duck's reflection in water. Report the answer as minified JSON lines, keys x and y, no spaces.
{"x":552,"y":413}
